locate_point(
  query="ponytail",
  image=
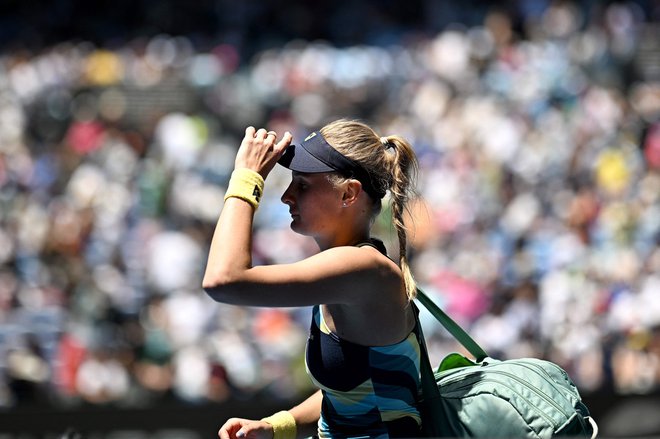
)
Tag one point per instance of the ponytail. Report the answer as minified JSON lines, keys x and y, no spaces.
{"x":404,"y":170}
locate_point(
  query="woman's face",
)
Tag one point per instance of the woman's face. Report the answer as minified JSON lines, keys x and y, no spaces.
{"x":314,"y":203}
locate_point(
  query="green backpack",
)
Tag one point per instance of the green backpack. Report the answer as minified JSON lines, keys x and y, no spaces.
{"x":491,"y":398}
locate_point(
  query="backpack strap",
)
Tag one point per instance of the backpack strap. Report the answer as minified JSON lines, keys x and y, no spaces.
{"x":454,"y":328}
{"x":432,"y":409}
{"x":430,"y":406}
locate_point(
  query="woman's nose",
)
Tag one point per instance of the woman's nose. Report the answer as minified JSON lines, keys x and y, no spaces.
{"x":287,"y":197}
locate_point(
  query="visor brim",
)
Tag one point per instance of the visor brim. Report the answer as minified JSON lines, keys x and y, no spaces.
{"x":297,"y":158}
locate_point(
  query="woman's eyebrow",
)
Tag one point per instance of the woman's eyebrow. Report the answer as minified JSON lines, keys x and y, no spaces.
{"x":299,"y":175}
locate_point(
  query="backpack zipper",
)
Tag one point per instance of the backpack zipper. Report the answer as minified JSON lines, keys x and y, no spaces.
{"x":540,"y":370}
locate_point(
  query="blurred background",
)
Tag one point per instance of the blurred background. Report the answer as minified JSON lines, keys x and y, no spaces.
{"x":537,"y":125}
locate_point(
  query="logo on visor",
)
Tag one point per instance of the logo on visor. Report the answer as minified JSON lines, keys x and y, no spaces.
{"x":310,"y":136}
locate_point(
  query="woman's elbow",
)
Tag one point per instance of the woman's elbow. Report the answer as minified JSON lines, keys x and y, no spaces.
{"x":218,"y":286}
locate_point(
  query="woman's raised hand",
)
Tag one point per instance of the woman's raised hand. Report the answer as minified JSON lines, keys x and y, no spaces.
{"x":260,"y":150}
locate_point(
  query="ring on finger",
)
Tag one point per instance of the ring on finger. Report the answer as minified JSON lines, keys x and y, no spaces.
{"x":271,"y":133}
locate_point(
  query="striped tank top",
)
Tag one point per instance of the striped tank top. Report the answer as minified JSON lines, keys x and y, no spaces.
{"x":368,"y":391}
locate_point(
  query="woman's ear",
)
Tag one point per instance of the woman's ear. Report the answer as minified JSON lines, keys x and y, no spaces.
{"x":352,"y":190}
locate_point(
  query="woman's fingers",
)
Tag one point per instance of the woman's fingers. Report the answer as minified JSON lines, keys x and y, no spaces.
{"x":269,"y":139}
{"x":261,"y":134}
{"x":284,"y":143}
{"x":260,"y":149}
{"x":230,"y":428}
{"x":238,"y":428}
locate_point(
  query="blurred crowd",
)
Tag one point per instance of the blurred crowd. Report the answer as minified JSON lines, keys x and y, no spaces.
{"x":537,"y":226}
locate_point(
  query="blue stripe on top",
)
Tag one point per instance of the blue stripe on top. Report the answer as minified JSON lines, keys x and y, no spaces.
{"x":368,"y":391}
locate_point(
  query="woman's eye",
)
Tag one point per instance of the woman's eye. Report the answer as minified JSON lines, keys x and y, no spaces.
{"x":301,"y":184}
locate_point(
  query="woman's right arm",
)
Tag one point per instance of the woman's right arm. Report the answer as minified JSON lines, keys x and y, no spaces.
{"x":306,"y":415}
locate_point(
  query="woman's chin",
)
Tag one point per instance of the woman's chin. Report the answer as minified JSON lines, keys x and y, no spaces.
{"x":296,"y":227}
{"x":299,"y":228}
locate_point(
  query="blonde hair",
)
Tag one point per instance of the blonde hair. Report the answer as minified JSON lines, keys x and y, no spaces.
{"x":391,"y":164}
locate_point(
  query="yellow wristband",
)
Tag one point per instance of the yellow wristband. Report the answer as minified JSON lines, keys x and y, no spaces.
{"x":247,"y":185}
{"x":284,"y":425}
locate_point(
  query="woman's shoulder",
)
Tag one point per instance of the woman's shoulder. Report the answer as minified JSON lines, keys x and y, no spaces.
{"x":373,"y":270}
{"x":362,"y":257}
